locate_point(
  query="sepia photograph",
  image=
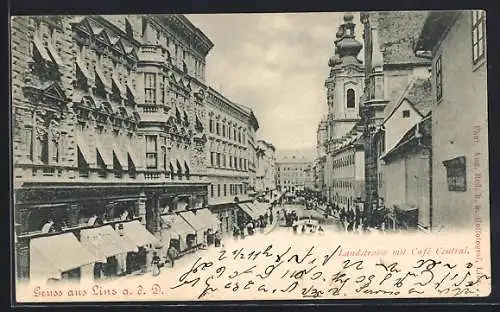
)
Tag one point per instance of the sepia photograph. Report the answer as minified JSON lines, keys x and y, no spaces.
{"x":263,"y":156}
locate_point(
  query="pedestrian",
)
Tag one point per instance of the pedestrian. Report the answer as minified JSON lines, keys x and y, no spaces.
{"x":235,"y":231}
{"x":217,"y":239}
{"x":242,"y":230}
{"x":171,"y":255}
{"x":303,"y":229}
{"x":271,"y":219}
{"x":295,"y":225}
{"x":155,"y":264}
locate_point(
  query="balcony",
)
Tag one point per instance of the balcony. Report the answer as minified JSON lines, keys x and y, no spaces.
{"x":152,"y":113}
{"x":152,"y":53}
{"x":36,"y":173}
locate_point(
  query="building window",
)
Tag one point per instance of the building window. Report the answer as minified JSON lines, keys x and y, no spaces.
{"x":439,"y":79}
{"x":217,"y":128}
{"x":456,"y":174}
{"x":151,"y":152}
{"x":212,"y":190}
{"x":28,"y":142}
{"x":211,"y":126}
{"x":351,"y":98}
{"x":218,"y":190}
{"x":224,"y":130}
{"x":406,"y":113}
{"x":478,"y":40}
{"x":230,"y":161}
{"x":218,"y":159}
{"x":225,"y":190}
{"x":162,"y":89}
{"x":212,"y":158}
{"x":150,"y":88}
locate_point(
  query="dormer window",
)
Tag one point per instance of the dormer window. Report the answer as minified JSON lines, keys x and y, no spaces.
{"x":406,"y":113}
{"x":351,"y":98}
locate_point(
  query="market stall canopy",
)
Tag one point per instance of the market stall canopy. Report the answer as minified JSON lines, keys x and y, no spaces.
{"x":194,"y":220}
{"x":138,"y":234}
{"x":210,"y":219}
{"x":249,"y":210}
{"x":52,"y":255}
{"x":177,"y":226}
{"x":105,"y":242}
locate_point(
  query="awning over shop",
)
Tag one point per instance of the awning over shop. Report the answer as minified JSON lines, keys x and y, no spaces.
{"x":121,"y":155}
{"x":41,"y":49}
{"x":261,"y":208}
{"x":195,"y":221}
{"x":52,"y":255}
{"x":138,"y":234}
{"x":119,"y":86}
{"x":103,"y":152}
{"x":83,"y":69}
{"x":210,"y":219}
{"x":249,"y":211}
{"x":131,"y":154}
{"x":105,"y":242}
{"x":103,"y":80}
{"x":177,"y":226}
{"x":83,"y":146}
{"x":130,"y":89}
{"x":55,"y":56}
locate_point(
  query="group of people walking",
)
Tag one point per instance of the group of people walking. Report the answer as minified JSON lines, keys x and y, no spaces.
{"x":249,"y":226}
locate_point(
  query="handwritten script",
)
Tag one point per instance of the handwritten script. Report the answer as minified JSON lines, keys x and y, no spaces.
{"x":307,"y":274}
{"x":279,"y":269}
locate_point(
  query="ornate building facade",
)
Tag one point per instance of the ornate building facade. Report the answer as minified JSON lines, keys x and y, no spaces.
{"x":112,"y":121}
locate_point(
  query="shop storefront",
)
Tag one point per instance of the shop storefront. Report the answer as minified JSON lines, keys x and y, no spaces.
{"x":106,"y":244}
{"x":176,"y":232}
{"x":146,"y":242}
{"x":59,"y":257}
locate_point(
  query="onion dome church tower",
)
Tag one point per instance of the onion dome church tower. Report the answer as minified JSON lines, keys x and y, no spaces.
{"x":345,"y":83}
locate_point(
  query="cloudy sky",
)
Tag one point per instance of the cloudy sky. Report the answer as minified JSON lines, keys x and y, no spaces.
{"x":276,"y":64}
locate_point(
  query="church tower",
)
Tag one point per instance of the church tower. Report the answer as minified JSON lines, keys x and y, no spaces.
{"x":345,"y":83}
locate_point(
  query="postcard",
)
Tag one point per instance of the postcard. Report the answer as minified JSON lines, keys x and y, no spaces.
{"x":336,"y":155}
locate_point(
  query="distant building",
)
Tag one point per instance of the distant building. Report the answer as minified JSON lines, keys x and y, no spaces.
{"x":455,"y":41}
{"x":266,"y":167}
{"x":291,"y":173}
{"x":319,"y":163}
{"x":309,"y":184}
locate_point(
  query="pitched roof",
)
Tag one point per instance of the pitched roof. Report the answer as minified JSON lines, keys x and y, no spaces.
{"x":398,"y":31}
{"x":419,"y":93}
{"x":424,"y":129}
{"x":434,"y":28}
